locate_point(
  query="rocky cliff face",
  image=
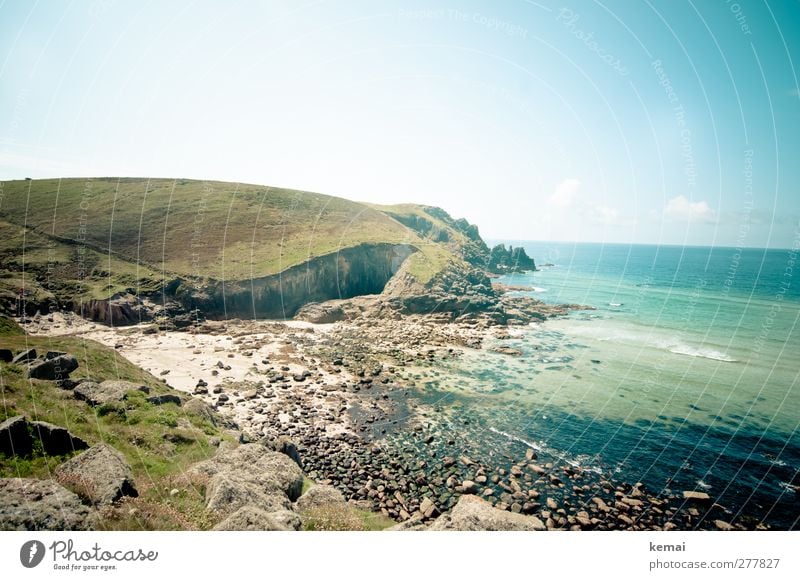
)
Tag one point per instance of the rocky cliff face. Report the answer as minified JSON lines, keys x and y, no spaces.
{"x":357,"y":271}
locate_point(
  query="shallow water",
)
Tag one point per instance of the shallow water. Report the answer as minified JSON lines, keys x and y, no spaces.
{"x":684,"y":377}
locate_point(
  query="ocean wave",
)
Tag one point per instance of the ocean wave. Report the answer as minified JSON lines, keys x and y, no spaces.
{"x":545,"y":449}
{"x":613,"y":333}
{"x":708,"y":353}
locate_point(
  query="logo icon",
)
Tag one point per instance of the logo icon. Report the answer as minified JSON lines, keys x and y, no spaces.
{"x":31,"y":553}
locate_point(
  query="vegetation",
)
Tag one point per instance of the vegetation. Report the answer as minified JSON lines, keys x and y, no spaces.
{"x":159,"y":441}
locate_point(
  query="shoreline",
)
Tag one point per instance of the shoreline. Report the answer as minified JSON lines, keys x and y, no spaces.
{"x":341,"y":391}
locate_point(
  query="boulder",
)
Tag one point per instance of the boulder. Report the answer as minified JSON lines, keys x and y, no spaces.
{"x":249,"y":475}
{"x":56,"y":368}
{"x":198,"y":407}
{"x":24,"y":356}
{"x":427,"y":508}
{"x":697,"y":496}
{"x":6,"y":355}
{"x":415,"y":523}
{"x":164,"y":399}
{"x":250,"y":518}
{"x":57,"y":440}
{"x":285,"y":445}
{"x":102,"y":474}
{"x":40,"y":504}
{"x":472,"y":513}
{"x":15,"y":438}
{"x":319,"y":496}
{"x":106,"y":392}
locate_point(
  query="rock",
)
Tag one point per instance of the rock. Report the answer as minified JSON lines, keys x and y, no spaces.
{"x":551,"y":504}
{"x":469,"y":486}
{"x":472,"y":513}
{"x":53,"y":369}
{"x":250,"y":518}
{"x":106,"y":392}
{"x":40,"y":504}
{"x":57,"y":440}
{"x":723,"y":526}
{"x":6,"y":355}
{"x":249,"y":475}
{"x":285,"y":445}
{"x":163,"y":399}
{"x":427,"y":508}
{"x":24,"y":356}
{"x":529,"y":454}
{"x":102,"y":474}
{"x":415,"y":523}
{"x":198,"y":390}
{"x":697,"y":496}
{"x":15,"y":438}
{"x":320,"y":496}
{"x":287,"y":519}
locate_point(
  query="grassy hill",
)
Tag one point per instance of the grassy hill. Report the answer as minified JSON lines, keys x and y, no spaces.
{"x":93,"y":238}
{"x":159,"y":441}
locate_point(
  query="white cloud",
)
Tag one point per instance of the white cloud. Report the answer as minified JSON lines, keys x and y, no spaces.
{"x":681,"y":209}
{"x":564,"y":194}
{"x":603,"y":214}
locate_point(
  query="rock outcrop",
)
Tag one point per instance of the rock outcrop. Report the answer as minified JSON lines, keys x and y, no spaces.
{"x":40,"y":504}
{"x":101,"y":473}
{"x":250,"y":475}
{"x":106,"y":392}
{"x":250,"y":518}
{"x":15,"y":437}
{"x":472,"y":513}
{"x":57,"y":368}
{"x":18,"y":437}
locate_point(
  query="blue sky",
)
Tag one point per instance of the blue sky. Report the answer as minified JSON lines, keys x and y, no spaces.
{"x":650,"y":122}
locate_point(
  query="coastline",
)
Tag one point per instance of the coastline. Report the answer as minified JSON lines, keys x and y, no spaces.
{"x":346,"y":393}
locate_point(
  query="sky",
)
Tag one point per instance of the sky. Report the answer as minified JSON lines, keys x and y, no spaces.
{"x":664,"y":122}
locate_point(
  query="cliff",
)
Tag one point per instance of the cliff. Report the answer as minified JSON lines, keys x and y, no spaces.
{"x":122,"y":250}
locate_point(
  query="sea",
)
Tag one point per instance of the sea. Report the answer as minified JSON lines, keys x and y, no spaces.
{"x":683,"y":375}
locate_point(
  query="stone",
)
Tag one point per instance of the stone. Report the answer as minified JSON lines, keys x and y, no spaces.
{"x":529,"y":454}
{"x":106,"y":392}
{"x":551,"y":503}
{"x":39,"y":505}
{"x":319,"y":496}
{"x":24,"y":356}
{"x":723,"y":525}
{"x":6,"y":355}
{"x":427,"y":508}
{"x":15,"y":438}
{"x":469,"y":486}
{"x":57,"y":440}
{"x":53,"y":369}
{"x":249,"y":474}
{"x":472,"y":513}
{"x":164,"y":399}
{"x":285,"y":445}
{"x":101,"y":472}
{"x":697,"y":496}
{"x":250,"y":518}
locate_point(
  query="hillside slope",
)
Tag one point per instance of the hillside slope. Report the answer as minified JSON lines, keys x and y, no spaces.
{"x":226,"y":249}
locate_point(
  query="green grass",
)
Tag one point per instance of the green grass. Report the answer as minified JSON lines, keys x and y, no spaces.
{"x":159,"y":441}
{"x":140,"y":233}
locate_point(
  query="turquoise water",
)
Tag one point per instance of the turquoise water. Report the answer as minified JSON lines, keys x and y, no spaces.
{"x":685,"y":376}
